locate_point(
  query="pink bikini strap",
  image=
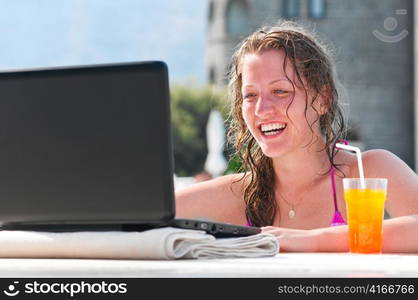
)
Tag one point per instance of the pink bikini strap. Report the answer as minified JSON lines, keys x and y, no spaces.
{"x":337,"y":219}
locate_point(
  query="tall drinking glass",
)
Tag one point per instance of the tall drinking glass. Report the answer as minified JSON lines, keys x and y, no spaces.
{"x":365,"y":200}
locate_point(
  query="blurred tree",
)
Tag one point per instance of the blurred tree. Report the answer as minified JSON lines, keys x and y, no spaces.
{"x":190,"y":108}
{"x":234,"y":165}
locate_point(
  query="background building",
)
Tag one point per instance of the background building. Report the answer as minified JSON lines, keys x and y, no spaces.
{"x":373,"y":47}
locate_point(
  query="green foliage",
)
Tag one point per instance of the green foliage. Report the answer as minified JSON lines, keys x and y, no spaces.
{"x":234,"y":165}
{"x":190,"y":108}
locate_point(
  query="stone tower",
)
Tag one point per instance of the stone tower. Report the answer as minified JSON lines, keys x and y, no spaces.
{"x":373,"y":48}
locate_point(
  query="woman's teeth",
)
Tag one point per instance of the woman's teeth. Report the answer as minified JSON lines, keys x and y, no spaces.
{"x":271,"y":132}
{"x":272,"y":129}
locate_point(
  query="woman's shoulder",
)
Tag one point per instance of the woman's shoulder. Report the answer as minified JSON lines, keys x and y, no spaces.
{"x":402,"y":196}
{"x":377,"y":163}
{"x":218,"y":199}
{"x":383,"y":163}
{"x":231,"y":182}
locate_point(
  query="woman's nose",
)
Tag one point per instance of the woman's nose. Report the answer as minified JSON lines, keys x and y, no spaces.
{"x":264,"y":106}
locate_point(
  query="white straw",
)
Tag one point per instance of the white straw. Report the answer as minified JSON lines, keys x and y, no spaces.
{"x":359,"y":161}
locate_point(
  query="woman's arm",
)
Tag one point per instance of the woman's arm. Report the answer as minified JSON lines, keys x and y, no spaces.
{"x":216,"y":200}
{"x":402,"y":190}
{"x":400,"y":235}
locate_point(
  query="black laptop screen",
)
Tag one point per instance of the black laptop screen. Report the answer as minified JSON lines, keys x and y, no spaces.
{"x":86,"y":144}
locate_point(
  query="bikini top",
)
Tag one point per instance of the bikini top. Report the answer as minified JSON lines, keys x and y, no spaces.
{"x":337,"y":218}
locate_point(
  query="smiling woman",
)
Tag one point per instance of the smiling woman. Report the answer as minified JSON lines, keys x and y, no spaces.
{"x":285,"y":122}
{"x":282,"y":77}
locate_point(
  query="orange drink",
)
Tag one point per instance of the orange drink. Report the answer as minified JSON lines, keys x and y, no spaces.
{"x":365,"y":204}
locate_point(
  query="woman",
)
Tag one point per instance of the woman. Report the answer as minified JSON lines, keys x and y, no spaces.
{"x":286,"y":120}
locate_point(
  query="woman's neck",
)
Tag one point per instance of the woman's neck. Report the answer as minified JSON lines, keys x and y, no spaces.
{"x":301,"y":168}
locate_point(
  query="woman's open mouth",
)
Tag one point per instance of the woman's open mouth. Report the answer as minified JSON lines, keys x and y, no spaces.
{"x":272,"y":128}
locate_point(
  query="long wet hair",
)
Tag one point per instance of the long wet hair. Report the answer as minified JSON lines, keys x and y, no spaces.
{"x":312,"y":62}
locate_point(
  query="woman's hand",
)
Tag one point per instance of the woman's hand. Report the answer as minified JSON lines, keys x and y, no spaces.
{"x":329,"y":239}
{"x":295,"y":240}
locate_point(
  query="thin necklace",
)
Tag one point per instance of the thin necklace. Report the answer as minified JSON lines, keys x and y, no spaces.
{"x":292,"y":211}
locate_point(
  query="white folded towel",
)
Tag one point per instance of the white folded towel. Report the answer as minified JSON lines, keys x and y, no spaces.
{"x":160,"y":243}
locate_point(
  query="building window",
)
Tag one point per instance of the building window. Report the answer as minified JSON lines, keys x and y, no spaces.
{"x":317,"y":9}
{"x":291,"y":8}
{"x":237,"y":17}
{"x":211,"y":11}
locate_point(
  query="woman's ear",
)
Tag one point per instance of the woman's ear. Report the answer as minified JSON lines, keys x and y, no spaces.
{"x":323,"y":108}
{"x":324,"y":100}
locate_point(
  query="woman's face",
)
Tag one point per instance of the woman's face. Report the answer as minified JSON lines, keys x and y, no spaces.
{"x":267,"y":94}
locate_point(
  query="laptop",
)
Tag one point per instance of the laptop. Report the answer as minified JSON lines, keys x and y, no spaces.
{"x":89,"y":148}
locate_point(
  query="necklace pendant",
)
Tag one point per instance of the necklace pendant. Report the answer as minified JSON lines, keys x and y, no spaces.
{"x":291,"y":213}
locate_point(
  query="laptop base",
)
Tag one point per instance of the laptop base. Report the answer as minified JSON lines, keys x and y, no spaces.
{"x":219,"y":230}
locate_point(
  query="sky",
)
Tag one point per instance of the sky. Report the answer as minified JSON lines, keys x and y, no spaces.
{"x":46,"y":33}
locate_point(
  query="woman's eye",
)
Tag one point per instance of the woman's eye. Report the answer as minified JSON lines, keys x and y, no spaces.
{"x":280,"y":92}
{"x":249,"y":96}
